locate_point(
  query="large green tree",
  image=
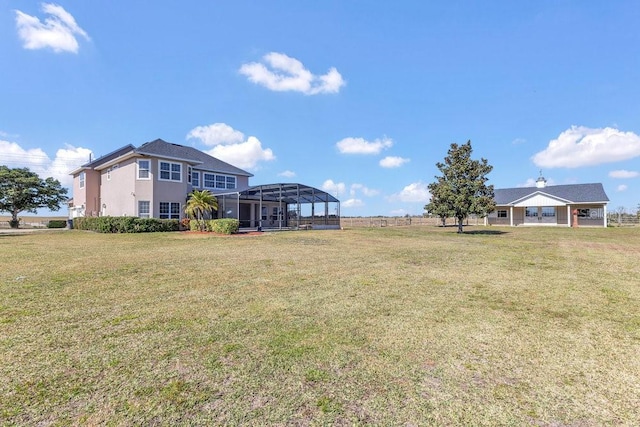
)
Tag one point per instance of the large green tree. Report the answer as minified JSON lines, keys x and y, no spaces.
{"x":24,"y":191}
{"x":461,"y":190}
{"x":199,"y":204}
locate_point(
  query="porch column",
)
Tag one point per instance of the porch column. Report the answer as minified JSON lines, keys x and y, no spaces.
{"x":298,"y":206}
{"x":511,"y":216}
{"x":260,"y":222}
{"x":568,"y":215}
{"x":280,"y":208}
{"x":252,"y":215}
{"x":605,"y":216}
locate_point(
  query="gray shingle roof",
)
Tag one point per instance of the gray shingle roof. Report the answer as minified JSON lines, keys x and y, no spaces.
{"x":108,"y":157}
{"x":576,"y":193}
{"x":205,"y":162}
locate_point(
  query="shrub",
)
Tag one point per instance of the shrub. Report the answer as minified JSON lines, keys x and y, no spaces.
{"x":223,"y":225}
{"x":125,"y":224}
{"x":196,"y":225}
{"x":57,"y":223}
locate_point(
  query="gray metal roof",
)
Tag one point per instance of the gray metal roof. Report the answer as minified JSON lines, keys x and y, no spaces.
{"x":291,"y":193}
{"x":575,"y":193}
{"x":175,"y":151}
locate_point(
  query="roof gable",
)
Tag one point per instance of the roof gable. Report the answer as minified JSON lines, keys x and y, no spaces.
{"x":540,"y":199}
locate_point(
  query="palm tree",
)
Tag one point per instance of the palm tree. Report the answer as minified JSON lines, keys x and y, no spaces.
{"x":198,"y":204}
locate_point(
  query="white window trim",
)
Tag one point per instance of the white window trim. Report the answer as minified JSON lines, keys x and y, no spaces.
{"x":215,"y":180}
{"x":149,"y":214}
{"x":82,"y":177}
{"x":138,"y":169}
{"x":169,"y":213}
{"x":170,"y":171}
{"x":195,"y":173}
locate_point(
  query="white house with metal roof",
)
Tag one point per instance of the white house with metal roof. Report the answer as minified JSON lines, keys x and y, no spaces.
{"x":154,"y":180}
{"x":573,"y":205}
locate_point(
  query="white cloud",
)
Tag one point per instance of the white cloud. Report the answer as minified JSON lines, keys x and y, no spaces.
{"x":216,"y":134}
{"x":287,"y":174}
{"x":65,"y":160}
{"x":362,"y":146}
{"x":369,"y":192}
{"x":415,"y":192}
{"x":283,"y":73}
{"x":58,"y":31}
{"x":583,"y":146}
{"x":624,"y":174}
{"x":352,"y":203}
{"x":393,"y":162}
{"x":621,"y":188}
{"x":334,"y":188}
{"x":245,"y":155}
{"x":518,"y":141}
{"x":229,"y":145}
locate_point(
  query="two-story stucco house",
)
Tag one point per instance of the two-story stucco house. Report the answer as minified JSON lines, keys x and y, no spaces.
{"x":154,"y":180}
{"x":556,"y":205}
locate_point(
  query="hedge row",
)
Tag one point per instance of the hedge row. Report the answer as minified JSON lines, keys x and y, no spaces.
{"x":223,"y":225}
{"x":57,"y":223}
{"x":125,"y":224}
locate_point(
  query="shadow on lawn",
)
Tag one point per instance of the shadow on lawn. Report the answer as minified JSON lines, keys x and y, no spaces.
{"x":485,"y":232}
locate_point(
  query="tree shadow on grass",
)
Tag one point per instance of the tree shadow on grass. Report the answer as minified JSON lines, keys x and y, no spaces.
{"x":486,"y":232}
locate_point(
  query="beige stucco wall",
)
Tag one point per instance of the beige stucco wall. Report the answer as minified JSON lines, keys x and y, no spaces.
{"x":118,"y":193}
{"x":89,"y":196}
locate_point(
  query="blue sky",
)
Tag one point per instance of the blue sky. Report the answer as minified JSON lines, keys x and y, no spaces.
{"x":357,"y":98}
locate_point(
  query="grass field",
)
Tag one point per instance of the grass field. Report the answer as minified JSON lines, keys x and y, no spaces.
{"x":384,"y":326}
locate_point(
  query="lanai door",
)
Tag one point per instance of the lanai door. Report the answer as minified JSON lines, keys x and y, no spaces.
{"x":540,"y":215}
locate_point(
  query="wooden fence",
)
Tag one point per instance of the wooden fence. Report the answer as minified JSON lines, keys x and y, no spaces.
{"x":385,"y":221}
{"x":623,"y":220}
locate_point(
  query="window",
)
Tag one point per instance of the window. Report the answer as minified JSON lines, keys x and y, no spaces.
{"x":112,"y":168}
{"x":189,"y":174}
{"x":209,"y":180}
{"x":144,"y":207}
{"x":231,"y":182}
{"x":169,"y":210}
{"x":531,"y":212}
{"x":195,"y":179}
{"x":82,"y":179}
{"x":221,"y":182}
{"x":502,"y":214}
{"x":144,"y":169}
{"x":548,"y":211}
{"x":170,"y":171}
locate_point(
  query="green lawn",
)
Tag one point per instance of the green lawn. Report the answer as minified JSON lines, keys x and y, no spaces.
{"x":386,"y":326}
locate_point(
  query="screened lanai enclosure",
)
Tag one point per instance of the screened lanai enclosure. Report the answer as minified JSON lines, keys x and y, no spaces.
{"x":281,"y":206}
